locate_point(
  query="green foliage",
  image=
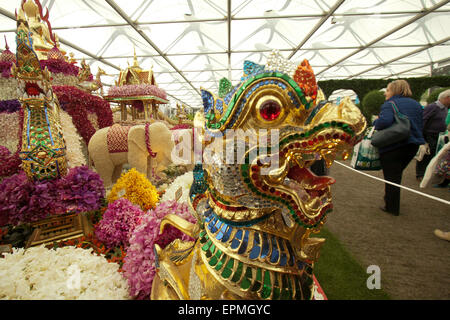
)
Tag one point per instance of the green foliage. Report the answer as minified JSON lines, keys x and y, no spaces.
{"x":434,"y":94}
{"x":363,"y":86}
{"x":371,"y":103}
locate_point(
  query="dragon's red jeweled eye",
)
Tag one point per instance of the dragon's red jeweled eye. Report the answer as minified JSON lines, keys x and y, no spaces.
{"x":270,"y":110}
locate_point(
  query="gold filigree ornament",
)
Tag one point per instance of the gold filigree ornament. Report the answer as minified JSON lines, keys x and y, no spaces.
{"x":43,"y":146}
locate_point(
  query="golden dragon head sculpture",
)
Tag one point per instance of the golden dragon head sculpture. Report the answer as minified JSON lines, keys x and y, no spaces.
{"x":254,"y":196}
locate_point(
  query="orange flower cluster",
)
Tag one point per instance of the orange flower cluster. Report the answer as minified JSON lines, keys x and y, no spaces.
{"x":305,"y":78}
{"x":90,"y":241}
{"x":135,"y":187}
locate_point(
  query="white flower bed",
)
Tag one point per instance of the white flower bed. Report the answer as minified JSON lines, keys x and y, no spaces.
{"x":185,"y":182}
{"x":66,"y":273}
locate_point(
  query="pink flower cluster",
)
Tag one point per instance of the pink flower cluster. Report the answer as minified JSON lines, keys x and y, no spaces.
{"x":9,"y":163}
{"x":61,"y":66}
{"x":138,"y":266}
{"x":5,"y":69}
{"x":117,"y":223}
{"x":24,"y":201}
{"x":133,"y":90}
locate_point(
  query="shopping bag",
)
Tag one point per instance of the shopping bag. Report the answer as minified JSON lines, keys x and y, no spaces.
{"x":365,"y":155}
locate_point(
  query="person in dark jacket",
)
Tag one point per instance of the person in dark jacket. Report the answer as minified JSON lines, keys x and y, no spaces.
{"x":434,"y":117}
{"x":396,"y":157}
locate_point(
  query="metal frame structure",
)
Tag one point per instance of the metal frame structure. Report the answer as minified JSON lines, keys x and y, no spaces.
{"x":183,"y":82}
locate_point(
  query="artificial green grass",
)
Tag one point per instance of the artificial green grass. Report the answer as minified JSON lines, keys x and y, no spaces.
{"x":340,"y":275}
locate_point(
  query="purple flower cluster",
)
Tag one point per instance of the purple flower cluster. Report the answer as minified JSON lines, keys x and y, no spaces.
{"x":9,"y":106}
{"x":60,"y":66}
{"x":138,"y":266}
{"x":118,"y":221}
{"x":9,"y":163}
{"x":24,"y":201}
{"x":143,"y":89}
{"x":5,"y":68}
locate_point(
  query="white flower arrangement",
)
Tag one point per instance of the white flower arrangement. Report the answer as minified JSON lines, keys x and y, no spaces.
{"x":93,"y":119}
{"x":185,"y":182}
{"x":8,"y":89}
{"x":66,"y":273}
{"x":9,"y":130}
{"x":60,"y":79}
{"x":74,"y":151}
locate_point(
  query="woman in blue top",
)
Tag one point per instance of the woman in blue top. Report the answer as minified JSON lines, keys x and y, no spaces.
{"x":396,"y":157}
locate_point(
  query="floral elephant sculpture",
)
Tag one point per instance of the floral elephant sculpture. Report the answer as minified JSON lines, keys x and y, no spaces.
{"x":144,"y":147}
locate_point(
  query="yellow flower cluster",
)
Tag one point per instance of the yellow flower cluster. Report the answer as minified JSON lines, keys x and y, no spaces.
{"x":135,"y":187}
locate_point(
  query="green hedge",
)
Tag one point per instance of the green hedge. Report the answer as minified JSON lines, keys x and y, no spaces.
{"x":371,"y":103}
{"x":435,"y":94}
{"x":363,"y":86}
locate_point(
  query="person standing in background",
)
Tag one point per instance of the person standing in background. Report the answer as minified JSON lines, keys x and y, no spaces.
{"x":434,"y":117}
{"x":395,"y":158}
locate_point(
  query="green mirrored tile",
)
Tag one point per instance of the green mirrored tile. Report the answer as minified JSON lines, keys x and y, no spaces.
{"x":256,"y":286}
{"x":266,"y":291}
{"x":221,"y":263}
{"x":226,"y":273}
{"x":259,"y":274}
{"x":276,"y":293}
{"x":206,"y":246}
{"x":245,"y":284}
{"x":238,"y":273}
{"x":213,"y":261}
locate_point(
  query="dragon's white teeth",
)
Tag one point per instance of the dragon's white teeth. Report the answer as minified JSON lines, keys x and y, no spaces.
{"x":25,"y":96}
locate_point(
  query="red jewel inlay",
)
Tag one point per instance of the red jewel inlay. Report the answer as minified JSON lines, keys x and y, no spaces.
{"x":270,"y":110}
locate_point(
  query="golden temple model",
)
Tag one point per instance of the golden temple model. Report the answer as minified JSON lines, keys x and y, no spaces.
{"x":43,"y":147}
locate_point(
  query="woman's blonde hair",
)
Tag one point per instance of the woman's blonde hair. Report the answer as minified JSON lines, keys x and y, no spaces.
{"x":400,"y":87}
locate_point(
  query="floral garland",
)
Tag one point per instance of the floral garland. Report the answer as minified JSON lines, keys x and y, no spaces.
{"x":10,"y":163}
{"x":5,"y":68}
{"x":115,"y":255}
{"x":135,"y":187}
{"x":133,"y":90}
{"x":138,"y":267}
{"x":78,"y":104}
{"x":8,"y":89}
{"x":64,"y":273}
{"x":184,"y":182}
{"x":24,"y":201}
{"x":118,"y":222}
{"x":61,"y":66}
{"x":147,"y":141}
{"x":10,"y":106}
{"x":74,"y":153}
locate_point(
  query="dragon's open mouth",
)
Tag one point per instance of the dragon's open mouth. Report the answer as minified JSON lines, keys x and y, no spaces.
{"x":33,"y":90}
{"x":313,"y":191}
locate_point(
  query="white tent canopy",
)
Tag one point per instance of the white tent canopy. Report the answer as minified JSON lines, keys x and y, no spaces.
{"x":193,"y":44}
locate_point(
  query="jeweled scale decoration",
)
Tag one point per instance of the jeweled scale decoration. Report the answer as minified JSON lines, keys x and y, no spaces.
{"x":43,"y":146}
